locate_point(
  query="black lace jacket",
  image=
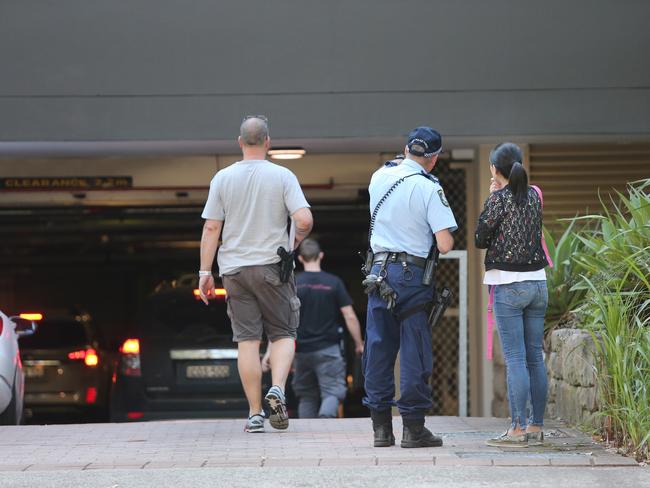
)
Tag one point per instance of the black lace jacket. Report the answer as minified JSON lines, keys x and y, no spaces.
{"x":511,"y":233}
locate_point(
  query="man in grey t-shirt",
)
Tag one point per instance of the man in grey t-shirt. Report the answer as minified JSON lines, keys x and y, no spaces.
{"x":249,"y":205}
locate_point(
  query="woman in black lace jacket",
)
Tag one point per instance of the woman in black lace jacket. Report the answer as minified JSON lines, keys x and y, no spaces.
{"x":510,"y":228}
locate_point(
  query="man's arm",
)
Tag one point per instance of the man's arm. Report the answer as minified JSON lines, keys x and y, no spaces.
{"x":209,"y":246}
{"x":297,"y":207}
{"x":304,"y":223}
{"x":445,"y":241}
{"x":352,"y":323}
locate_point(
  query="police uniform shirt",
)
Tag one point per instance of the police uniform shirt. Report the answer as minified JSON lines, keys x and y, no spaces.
{"x":412,"y":213}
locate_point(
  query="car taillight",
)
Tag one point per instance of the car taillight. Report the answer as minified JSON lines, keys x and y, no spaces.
{"x":130,"y":346}
{"x":219,"y":293}
{"x":31,"y":316}
{"x":130,"y":358}
{"x":91,"y":359}
{"x":89,"y":356}
{"x":91,"y":395}
{"x":1,"y":325}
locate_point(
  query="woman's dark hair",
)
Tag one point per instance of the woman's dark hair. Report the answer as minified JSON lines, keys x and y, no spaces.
{"x":507,"y":159}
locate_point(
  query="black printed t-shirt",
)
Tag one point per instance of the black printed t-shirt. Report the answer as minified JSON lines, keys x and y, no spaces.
{"x":321,"y":297}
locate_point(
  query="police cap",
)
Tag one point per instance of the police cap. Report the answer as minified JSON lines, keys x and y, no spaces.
{"x":424,"y":142}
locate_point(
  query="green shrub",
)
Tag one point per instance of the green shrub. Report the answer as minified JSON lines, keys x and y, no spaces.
{"x":616,"y":247}
{"x":563,"y":298}
{"x":622,"y":336}
{"x":614,"y":261}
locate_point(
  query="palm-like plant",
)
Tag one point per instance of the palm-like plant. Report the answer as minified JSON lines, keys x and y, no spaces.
{"x":614,"y":261}
{"x":563,"y":298}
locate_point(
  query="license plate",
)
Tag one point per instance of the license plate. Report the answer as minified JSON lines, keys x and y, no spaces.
{"x":208,"y":371}
{"x":34,"y":371}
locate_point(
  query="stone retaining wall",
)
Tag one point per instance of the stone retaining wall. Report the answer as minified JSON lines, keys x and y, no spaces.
{"x":572,"y":391}
{"x":573,"y":395}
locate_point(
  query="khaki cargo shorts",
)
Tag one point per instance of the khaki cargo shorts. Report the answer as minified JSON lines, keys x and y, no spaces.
{"x":259,"y":302}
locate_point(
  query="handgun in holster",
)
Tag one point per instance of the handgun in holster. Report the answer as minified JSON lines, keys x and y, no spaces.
{"x":441,"y":300}
{"x":431,"y":264}
{"x":286,"y":264}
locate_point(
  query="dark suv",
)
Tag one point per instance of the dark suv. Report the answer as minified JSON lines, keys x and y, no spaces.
{"x":179,"y":361}
{"x":67,"y":368}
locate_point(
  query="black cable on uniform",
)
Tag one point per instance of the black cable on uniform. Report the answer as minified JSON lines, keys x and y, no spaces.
{"x":381,"y":202}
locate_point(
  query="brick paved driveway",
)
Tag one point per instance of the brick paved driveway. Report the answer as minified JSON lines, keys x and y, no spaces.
{"x":307,"y":443}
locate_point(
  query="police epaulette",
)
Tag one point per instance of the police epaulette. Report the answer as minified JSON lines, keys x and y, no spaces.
{"x":430,"y":177}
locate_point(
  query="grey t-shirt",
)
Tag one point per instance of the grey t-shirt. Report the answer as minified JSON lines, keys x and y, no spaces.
{"x":253,"y":198}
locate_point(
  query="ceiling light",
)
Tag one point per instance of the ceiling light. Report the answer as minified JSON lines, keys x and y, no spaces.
{"x":287,"y":152}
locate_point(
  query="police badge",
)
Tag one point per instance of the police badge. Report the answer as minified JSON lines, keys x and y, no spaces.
{"x":443,"y":200}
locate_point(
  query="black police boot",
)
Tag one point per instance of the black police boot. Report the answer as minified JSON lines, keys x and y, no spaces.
{"x":382,"y":425}
{"x":417,"y":435}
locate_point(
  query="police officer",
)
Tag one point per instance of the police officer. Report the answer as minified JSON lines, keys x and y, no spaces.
{"x":409,"y":208}
{"x":397,"y":160}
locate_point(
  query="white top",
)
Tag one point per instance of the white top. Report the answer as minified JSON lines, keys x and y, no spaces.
{"x":499,"y":277}
{"x":254,"y":199}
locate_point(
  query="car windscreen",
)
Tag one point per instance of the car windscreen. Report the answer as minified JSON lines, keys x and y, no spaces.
{"x":56,"y":334}
{"x":179,"y":312}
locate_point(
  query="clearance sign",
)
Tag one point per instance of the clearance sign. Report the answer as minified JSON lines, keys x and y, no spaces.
{"x":66,"y":183}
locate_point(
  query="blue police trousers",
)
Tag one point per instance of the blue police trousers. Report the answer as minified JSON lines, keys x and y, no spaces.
{"x":385,"y":336}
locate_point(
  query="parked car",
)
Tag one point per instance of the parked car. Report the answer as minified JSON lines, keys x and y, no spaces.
{"x":67,"y":368}
{"x":179,"y":361}
{"x":12,"y":385}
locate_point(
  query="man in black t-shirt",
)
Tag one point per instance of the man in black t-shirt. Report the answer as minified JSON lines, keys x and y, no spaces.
{"x":319,"y":378}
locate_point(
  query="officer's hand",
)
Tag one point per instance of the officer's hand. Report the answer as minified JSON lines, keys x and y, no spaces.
{"x":206,"y":288}
{"x":358,"y":348}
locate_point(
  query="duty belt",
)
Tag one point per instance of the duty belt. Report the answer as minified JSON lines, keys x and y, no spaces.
{"x":399,"y":257}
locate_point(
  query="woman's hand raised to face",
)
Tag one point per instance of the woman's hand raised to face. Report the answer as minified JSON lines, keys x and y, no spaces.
{"x":494,"y":185}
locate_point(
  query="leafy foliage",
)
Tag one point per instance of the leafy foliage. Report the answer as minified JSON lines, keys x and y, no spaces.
{"x":561,"y":279}
{"x":622,"y":338}
{"x":613,"y":259}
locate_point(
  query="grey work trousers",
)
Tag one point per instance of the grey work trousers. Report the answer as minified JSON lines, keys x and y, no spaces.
{"x":319,"y":382}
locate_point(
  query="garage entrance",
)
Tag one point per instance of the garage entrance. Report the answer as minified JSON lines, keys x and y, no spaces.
{"x":102,"y":253}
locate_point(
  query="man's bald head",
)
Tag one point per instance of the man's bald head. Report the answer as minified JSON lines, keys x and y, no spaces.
{"x":254,"y":131}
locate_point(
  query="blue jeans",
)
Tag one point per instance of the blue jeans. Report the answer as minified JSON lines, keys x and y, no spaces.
{"x":519,"y":309}
{"x":386,"y":335}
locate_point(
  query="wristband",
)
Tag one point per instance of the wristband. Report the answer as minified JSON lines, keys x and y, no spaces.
{"x":205,"y":273}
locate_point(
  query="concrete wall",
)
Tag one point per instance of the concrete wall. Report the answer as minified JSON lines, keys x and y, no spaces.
{"x":91,"y":70}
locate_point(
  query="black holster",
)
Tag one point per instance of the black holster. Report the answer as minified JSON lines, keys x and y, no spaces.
{"x":431,"y":264}
{"x":368,"y":257}
{"x":440,"y":304}
{"x":286,"y":264}
{"x":435,"y":309}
